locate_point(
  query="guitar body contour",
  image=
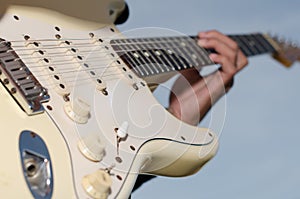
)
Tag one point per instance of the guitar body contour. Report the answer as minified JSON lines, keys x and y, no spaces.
{"x":91,"y":95}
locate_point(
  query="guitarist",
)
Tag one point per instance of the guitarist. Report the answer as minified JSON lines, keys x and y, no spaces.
{"x":192,"y":94}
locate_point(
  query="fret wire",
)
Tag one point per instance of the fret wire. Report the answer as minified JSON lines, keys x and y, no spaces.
{"x":187,"y":55}
{"x":264,"y":42}
{"x":190,"y":52}
{"x":175,"y":64}
{"x":166,"y":60}
{"x":193,"y":56}
{"x":241,"y":44}
{"x":135,"y":63}
{"x":194,"y":50}
{"x":133,"y":43}
{"x":201,"y":55}
{"x":156,"y":63}
{"x":253,"y":44}
{"x":249,"y":52}
{"x":138,"y":64}
{"x":177,"y":51}
{"x":251,"y":49}
{"x":205,"y":57}
{"x":250,"y":43}
{"x":160,"y":61}
{"x":161,"y":64}
{"x":151,"y":58}
{"x":130,"y":63}
{"x":186,"y":58}
{"x":259,"y":45}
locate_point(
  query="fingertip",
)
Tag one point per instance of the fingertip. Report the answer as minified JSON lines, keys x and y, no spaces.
{"x":202,"y":34}
{"x":213,"y":56}
{"x":201,"y":42}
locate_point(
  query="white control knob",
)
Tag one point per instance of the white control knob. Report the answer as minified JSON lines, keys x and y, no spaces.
{"x":97,"y":184}
{"x":78,"y":110}
{"x":92,"y":148}
{"x":122,"y":130}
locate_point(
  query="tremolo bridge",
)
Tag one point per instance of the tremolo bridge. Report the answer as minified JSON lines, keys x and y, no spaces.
{"x":20,"y":82}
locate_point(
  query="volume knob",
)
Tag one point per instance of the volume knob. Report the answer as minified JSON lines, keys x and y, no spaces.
{"x":97,"y":184}
{"x":92,"y":148}
{"x":78,"y":110}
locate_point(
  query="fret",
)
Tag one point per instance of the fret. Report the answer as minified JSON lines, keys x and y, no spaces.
{"x":141,"y":59}
{"x":194,"y":49}
{"x":157,"y":61}
{"x":253,"y":44}
{"x":258,"y":44}
{"x":202,"y":53}
{"x":151,"y":56}
{"x":155,"y":53}
{"x":156,"y":41}
{"x":264,"y":42}
{"x":127,"y":48}
{"x":251,"y":48}
{"x":145,"y":51}
{"x":178,"y":51}
{"x":166,"y":51}
{"x":131,"y":51}
{"x":193,"y":56}
{"x":241,"y":44}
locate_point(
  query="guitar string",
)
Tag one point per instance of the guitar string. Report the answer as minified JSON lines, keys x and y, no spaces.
{"x":88,"y":69}
{"x":79,"y":54}
{"x":69,"y":47}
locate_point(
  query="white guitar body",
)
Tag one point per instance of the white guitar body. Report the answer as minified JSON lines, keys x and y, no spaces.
{"x":155,"y":142}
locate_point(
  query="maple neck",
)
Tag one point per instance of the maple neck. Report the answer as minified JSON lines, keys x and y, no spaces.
{"x":153,"y":56}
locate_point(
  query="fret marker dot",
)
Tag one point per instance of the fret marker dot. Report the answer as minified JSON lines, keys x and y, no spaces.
{"x":182,"y":43}
{"x":146,"y":54}
{"x":157,"y":53}
{"x":194,"y":56}
{"x":169,"y":51}
{"x":136,"y":55}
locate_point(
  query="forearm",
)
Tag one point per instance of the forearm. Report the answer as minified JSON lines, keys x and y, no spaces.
{"x":192,"y":95}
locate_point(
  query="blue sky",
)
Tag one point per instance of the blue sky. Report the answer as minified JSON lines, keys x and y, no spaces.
{"x":259,"y":144}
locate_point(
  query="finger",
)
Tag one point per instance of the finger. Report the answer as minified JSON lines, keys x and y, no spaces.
{"x":213,"y":34}
{"x":242,"y":60}
{"x":226,"y":65}
{"x":220,"y":47}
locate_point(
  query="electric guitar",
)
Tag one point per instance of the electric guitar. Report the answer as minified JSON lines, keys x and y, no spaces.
{"x":78,"y":116}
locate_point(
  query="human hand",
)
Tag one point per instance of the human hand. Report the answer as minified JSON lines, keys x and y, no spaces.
{"x":229,"y":55}
{"x":193,"y":95}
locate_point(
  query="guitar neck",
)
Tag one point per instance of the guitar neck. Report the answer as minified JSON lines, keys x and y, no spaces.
{"x":153,"y":56}
{"x":254,"y":44}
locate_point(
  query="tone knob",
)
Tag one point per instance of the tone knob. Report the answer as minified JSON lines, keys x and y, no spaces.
{"x":78,"y":110}
{"x":97,"y":184}
{"x":92,"y":148}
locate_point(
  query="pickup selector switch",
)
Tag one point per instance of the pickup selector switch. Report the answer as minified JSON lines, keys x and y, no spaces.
{"x":122,"y":130}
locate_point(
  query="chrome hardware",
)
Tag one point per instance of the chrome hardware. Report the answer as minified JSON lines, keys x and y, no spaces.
{"x":15,"y":76}
{"x":36,"y":165}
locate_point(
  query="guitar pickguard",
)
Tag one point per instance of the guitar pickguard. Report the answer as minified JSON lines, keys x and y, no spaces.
{"x":93,"y":94}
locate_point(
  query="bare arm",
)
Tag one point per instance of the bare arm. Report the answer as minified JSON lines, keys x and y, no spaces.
{"x":192,"y":95}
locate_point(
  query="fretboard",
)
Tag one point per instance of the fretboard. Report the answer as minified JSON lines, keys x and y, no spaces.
{"x":153,"y":56}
